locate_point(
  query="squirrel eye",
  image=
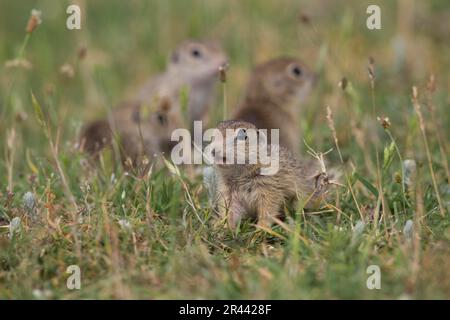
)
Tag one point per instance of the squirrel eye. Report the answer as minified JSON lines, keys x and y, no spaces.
{"x":297,"y":71}
{"x":162,"y":119}
{"x":241,"y":135}
{"x":196,"y":53}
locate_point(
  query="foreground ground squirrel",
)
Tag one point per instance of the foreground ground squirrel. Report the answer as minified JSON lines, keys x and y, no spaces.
{"x":243,"y":191}
{"x":275,"y":91}
{"x":144,"y":125}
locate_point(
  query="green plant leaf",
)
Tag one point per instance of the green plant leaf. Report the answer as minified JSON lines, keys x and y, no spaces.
{"x":38,"y":111}
{"x":367,"y":184}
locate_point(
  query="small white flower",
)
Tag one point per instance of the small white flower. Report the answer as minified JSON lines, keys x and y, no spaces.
{"x":125,"y":224}
{"x":408,"y":230}
{"x":357,"y":232}
{"x":409,"y":168}
{"x":42,"y":294}
{"x":28,"y":201}
{"x":359,"y":227}
{"x":29,"y":204}
{"x":14,"y":227}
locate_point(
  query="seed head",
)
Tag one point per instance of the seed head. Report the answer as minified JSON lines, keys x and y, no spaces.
{"x":34,"y":21}
{"x":343,"y":83}
{"x":21,"y":116}
{"x":129,"y":162}
{"x":18,"y":63}
{"x":415,"y":93}
{"x":371,"y":69}
{"x":82,"y":53}
{"x":398,"y":177}
{"x":67,"y":71}
{"x":384,"y":121}
{"x":431,"y":85}
{"x":223,"y":72}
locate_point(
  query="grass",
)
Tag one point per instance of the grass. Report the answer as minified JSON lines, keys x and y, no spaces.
{"x":153,"y":236}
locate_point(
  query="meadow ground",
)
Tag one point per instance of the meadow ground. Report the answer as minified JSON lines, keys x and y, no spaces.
{"x":151,"y":236}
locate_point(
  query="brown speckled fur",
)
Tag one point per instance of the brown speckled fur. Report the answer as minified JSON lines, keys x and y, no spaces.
{"x":273,"y":99}
{"x":244,"y":192}
{"x":139,"y":133}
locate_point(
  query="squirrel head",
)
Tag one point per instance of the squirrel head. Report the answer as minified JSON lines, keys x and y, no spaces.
{"x":236,"y":148}
{"x":282,"y":81}
{"x":162,"y":118}
{"x":197,"y":60}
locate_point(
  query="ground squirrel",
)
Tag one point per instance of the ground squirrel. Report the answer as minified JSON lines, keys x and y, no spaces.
{"x":242,"y":191}
{"x":273,"y":96}
{"x":144,"y":125}
{"x":193,"y":65}
{"x":140,"y":132}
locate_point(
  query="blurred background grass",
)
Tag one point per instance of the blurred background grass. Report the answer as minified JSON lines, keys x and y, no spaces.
{"x":126,"y":41}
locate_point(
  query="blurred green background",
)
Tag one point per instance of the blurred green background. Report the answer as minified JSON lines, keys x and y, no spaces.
{"x":126,"y":42}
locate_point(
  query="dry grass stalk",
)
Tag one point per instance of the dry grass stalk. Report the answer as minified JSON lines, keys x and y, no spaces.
{"x":443,"y":147}
{"x":223,"y":79}
{"x":10,"y":152}
{"x":371,"y":69}
{"x":380,"y":200}
{"x":330,"y":121}
{"x":121,"y":291}
{"x":418,"y":111}
{"x":418,"y":216}
{"x":55,"y":155}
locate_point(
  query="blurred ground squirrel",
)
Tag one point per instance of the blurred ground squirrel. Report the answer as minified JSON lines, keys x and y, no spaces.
{"x":140,"y":134}
{"x":144,"y":126}
{"x":242,"y":191}
{"x":194,"y":66}
{"x":273,"y":97}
